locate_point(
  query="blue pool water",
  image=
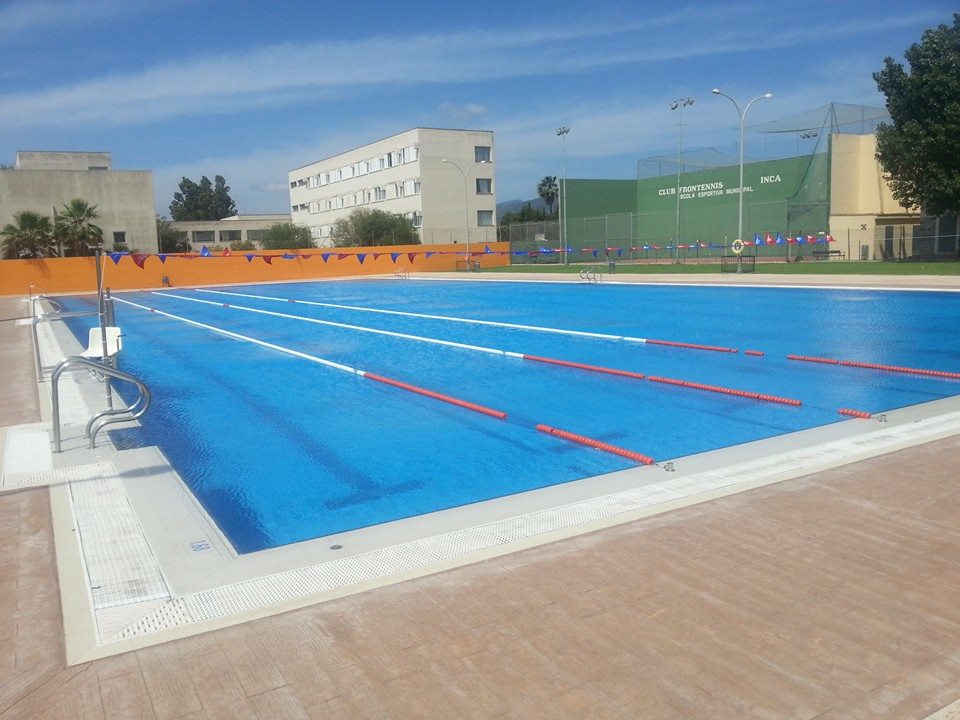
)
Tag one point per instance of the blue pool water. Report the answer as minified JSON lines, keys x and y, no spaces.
{"x":279,"y":449}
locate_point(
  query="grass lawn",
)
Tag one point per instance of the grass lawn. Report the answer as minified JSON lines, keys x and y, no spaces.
{"x":823,"y":267}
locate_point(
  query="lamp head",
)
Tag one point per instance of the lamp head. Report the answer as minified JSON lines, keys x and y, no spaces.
{"x":716,"y":91}
{"x":767,"y":96}
{"x":674,"y":104}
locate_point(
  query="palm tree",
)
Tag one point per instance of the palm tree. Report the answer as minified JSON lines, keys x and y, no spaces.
{"x":74,"y":230}
{"x":548,"y":191}
{"x":29,"y":236}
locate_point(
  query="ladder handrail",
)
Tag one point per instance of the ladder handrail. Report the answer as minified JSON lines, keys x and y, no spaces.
{"x":105,"y":417}
{"x":590,"y":274}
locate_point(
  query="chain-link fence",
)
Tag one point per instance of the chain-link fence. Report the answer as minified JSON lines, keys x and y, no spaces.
{"x":620,"y":238}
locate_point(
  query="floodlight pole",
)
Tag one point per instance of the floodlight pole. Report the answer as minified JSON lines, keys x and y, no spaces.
{"x":743,"y":115}
{"x":562,"y":132}
{"x":466,"y":195}
{"x":679,"y":104}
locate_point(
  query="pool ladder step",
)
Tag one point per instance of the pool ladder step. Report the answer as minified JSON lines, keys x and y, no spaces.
{"x":105,"y":417}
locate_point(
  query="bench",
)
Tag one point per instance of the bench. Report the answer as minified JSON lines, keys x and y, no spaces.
{"x":827,"y":254}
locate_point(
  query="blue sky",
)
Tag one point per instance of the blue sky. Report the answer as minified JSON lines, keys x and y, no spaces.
{"x":251,"y":90}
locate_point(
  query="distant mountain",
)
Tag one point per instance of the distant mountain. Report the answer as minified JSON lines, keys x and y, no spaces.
{"x":517,"y":205}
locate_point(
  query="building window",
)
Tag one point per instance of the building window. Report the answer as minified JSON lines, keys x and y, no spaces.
{"x":120,"y":240}
{"x":417,"y":219}
{"x":481,"y":153}
{"x":484,"y":186}
{"x":380,"y":193}
{"x":293,"y":184}
{"x":484,"y":218}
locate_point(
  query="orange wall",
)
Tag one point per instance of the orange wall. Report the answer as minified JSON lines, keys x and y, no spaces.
{"x":60,"y":275}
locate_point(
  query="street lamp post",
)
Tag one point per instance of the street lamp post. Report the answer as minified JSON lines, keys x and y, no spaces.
{"x":743,"y":114}
{"x":466,"y":195}
{"x":679,"y":104}
{"x":562,"y":132}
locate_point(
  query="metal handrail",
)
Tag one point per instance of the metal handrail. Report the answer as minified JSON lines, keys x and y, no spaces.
{"x":402,"y":273}
{"x":59,"y":314}
{"x":590,"y":274}
{"x":106,"y":417}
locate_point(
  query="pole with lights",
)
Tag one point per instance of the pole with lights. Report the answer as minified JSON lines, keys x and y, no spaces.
{"x":466,"y":195}
{"x":743,"y":115}
{"x":679,"y":104}
{"x":562,"y":132}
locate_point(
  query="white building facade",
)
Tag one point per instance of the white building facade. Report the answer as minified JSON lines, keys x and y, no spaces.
{"x":441,"y":179}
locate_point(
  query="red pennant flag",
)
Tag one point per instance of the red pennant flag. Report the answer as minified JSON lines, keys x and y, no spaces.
{"x":377,"y":255}
{"x":225,"y":253}
{"x":411,"y":256}
{"x":341,"y":256}
{"x":139,"y":259}
{"x":268,"y":259}
{"x":769,"y":239}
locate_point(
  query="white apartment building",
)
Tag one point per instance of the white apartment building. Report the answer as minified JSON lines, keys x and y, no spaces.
{"x":441,"y":179}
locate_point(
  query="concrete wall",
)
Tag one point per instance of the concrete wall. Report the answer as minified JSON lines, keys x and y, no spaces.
{"x":71,"y":275}
{"x":124,"y":199}
{"x":862,"y":205}
{"x":443,"y":187}
{"x":46,"y":160}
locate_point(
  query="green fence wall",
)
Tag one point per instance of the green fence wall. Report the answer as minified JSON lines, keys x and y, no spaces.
{"x":789,"y":195}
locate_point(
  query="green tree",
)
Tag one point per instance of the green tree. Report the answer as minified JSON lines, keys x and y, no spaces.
{"x":286,"y":236}
{"x":29,"y":236}
{"x":920,"y":150}
{"x":548,"y":190}
{"x":170,"y":239}
{"x":240,"y":245}
{"x":203,"y":200}
{"x":364,"y":228}
{"x":528,"y":213}
{"x":74,"y":231}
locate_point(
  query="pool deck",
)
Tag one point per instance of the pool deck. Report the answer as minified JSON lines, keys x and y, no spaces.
{"x":828,"y":596}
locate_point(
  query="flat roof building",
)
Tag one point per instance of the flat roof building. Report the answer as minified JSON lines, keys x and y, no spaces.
{"x":448,"y":202}
{"x":242,"y":228}
{"x":43,"y":182}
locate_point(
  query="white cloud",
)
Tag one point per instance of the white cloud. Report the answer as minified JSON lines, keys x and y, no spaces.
{"x":279,"y":75}
{"x":462,"y":112}
{"x":18,"y":19}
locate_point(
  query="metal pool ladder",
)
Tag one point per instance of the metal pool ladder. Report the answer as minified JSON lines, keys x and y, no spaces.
{"x":402,"y":273}
{"x":591,"y":274}
{"x":105,"y":417}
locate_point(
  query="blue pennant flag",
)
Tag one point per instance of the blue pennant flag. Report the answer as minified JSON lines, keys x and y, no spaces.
{"x":779,"y":240}
{"x":646,"y":247}
{"x":163,"y":258}
{"x":325,"y":256}
{"x":757,"y":240}
{"x":205,"y":252}
{"x":596,"y":252}
{"x":116,"y":258}
{"x":249,"y":257}
{"x":619,"y":252}
{"x":361,"y":257}
{"x":429,"y":254}
{"x":801,"y":238}
{"x":394,"y":256}
{"x":486,"y":249}
{"x":288,"y":256}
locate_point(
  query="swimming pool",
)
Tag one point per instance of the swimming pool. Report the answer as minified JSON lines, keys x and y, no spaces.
{"x":279,"y":448}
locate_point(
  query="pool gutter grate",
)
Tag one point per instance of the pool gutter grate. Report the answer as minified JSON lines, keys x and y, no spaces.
{"x":433,"y":553}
